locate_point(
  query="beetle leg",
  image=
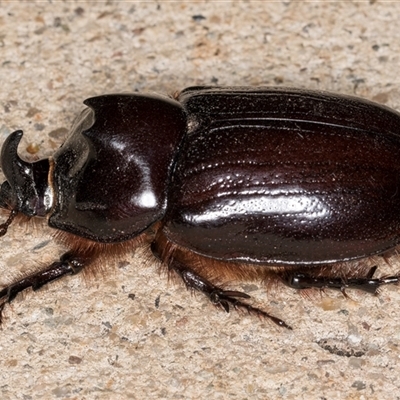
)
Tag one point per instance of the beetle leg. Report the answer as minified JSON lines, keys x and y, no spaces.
{"x":5,"y":225}
{"x":68,"y":264}
{"x":219,"y":297}
{"x":302,"y":280}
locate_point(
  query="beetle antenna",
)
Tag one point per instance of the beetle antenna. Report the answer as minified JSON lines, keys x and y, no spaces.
{"x":10,"y":219}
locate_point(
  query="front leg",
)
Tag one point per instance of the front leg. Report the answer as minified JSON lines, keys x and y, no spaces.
{"x":69,"y":263}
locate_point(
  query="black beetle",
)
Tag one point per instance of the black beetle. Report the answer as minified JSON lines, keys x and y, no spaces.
{"x":224,"y":184}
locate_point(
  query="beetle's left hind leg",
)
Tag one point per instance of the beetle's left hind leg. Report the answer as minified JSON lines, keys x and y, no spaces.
{"x":326,"y":277}
{"x":68,"y":264}
{"x":194,"y":280}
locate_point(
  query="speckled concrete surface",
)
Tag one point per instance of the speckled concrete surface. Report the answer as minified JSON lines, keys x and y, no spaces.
{"x":132,"y":335}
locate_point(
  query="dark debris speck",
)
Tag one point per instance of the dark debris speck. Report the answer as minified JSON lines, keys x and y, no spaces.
{"x":79,"y":11}
{"x":157,"y":301}
{"x":359,"y":385}
{"x":74,"y":360}
{"x":107,"y":324}
{"x":39,"y":127}
{"x":41,"y":245}
{"x":198,"y":17}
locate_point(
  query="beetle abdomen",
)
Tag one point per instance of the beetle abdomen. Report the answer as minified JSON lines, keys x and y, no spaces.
{"x":281,"y":184}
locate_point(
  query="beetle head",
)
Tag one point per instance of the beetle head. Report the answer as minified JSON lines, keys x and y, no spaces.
{"x":26,"y":189}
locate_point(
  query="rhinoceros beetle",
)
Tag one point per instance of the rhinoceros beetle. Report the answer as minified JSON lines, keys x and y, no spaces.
{"x":223,"y":184}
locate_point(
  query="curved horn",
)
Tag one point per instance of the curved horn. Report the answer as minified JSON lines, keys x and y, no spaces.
{"x":19,"y":191}
{"x":16,"y":170}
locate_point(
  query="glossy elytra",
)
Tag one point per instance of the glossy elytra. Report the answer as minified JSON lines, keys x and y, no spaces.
{"x":223,"y":184}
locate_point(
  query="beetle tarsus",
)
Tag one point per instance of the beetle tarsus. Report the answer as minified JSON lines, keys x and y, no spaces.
{"x":222,"y":298}
{"x":219,"y":297}
{"x":314,"y":279}
{"x":68,"y":264}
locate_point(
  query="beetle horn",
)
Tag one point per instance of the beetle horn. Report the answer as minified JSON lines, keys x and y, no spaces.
{"x":19,"y":173}
{"x":14,"y":168}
